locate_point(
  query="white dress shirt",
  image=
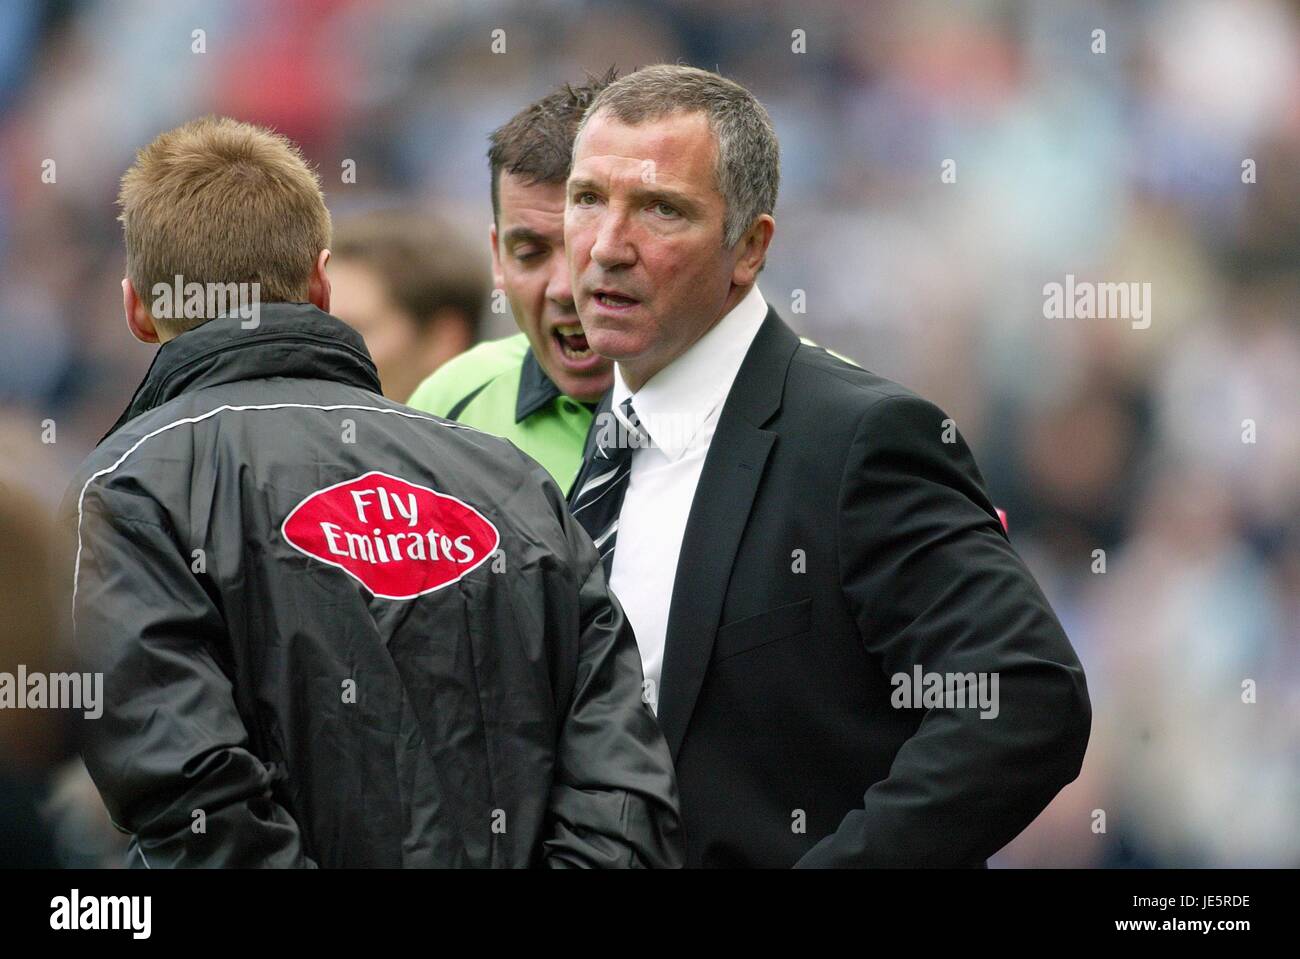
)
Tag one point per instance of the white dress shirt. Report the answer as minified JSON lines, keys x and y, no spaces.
{"x":679,"y":407}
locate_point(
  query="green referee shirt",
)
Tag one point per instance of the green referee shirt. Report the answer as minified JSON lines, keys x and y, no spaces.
{"x":500,"y":388}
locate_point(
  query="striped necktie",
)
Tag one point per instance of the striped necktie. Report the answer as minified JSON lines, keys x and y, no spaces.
{"x":600,"y":487}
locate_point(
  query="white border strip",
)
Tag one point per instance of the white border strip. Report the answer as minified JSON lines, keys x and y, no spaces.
{"x":496,"y":542}
{"x":76,"y":572}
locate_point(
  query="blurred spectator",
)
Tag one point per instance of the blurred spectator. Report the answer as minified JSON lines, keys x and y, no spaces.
{"x":413,"y":287}
{"x":32,"y":741}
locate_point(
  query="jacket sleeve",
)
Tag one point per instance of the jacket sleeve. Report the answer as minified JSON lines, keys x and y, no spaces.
{"x":933,"y":582}
{"x":169,"y":754}
{"x":614,"y":800}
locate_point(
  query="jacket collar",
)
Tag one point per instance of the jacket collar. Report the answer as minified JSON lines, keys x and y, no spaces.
{"x":294,"y":340}
{"x":535,"y":388}
{"x":755,"y":395}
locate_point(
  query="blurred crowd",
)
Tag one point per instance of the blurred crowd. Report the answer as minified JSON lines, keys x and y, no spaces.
{"x":941,"y":163}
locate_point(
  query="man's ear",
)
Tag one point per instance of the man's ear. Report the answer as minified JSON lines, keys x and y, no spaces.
{"x":752,"y":250}
{"x":498,"y":277}
{"x":318,"y":290}
{"x":138,"y":318}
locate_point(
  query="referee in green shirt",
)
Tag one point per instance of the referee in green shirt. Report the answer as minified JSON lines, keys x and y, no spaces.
{"x":538,"y":388}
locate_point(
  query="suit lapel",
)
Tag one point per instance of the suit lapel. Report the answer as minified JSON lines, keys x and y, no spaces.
{"x":728,"y":484}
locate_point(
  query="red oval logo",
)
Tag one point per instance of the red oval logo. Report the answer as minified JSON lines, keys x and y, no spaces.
{"x":398,"y":539}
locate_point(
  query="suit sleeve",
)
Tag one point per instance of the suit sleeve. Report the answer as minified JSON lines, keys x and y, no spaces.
{"x":933,"y":582}
{"x":169,"y":744}
{"x":614,"y":800}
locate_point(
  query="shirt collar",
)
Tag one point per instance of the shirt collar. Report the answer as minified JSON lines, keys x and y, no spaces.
{"x":536,"y":389}
{"x":678,"y":399}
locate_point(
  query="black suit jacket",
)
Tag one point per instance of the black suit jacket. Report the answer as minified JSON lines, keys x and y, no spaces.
{"x":836,"y":540}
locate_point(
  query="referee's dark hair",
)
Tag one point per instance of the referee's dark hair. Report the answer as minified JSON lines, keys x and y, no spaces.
{"x":536,"y":144}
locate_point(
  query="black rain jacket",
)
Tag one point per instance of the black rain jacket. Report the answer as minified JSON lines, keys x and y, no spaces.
{"x":334,"y":631}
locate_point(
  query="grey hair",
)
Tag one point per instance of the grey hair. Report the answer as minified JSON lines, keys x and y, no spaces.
{"x":748,"y":170}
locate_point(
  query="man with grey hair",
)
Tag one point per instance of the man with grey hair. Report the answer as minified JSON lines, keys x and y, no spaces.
{"x":791,"y":534}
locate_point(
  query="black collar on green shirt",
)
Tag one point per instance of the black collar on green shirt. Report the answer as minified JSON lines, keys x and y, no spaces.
{"x":535,"y":388}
